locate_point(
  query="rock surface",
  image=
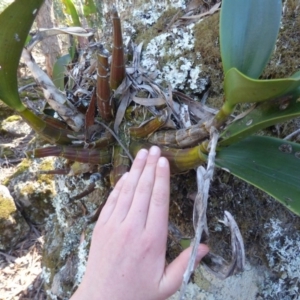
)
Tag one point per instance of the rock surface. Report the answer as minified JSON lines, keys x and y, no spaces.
{"x":33,"y":192}
{"x":13,"y":227}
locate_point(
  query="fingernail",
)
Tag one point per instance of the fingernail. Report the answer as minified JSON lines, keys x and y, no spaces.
{"x":142,"y":154}
{"x":154,"y":150}
{"x":162,"y":162}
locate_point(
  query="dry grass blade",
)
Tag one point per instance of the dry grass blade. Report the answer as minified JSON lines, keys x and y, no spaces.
{"x":174,"y":107}
{"x":197,"y":109}
{"x":78,"y":31}
{"x":44,"y":33}
{"x":149,"y":101}
{"x":237,"y":244}
{"x":219,"y":266}
{"x":290,"y":136}
{"x":54,"y":97}
{"x":204,"y":177}
{"x":20,"y":274}
{"x":189,"y":18}
{"x":185,"y":116}
{"x":117,"y":139}
{"x":137,"y":56}
{"x":212,"y":10}
{"x":126,"y":99}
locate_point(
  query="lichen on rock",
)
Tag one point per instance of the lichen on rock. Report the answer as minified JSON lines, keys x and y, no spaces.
{"x":68,"y":235}
{"x":13,"y":227}
{"x":15,"y":126}
{"x":33,"y":192}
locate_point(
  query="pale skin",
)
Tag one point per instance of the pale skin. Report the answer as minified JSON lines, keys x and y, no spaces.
{"x":128,"y":250}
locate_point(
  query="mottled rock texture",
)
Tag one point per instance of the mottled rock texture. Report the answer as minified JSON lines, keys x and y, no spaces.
{"x":13,"y":227}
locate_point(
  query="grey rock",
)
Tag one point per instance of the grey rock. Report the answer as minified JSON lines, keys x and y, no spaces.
{"x":13,"y":226}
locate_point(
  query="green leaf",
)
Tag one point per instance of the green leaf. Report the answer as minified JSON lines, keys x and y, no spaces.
{"x":271,"y":164}
{"x":185,"y":243}
{"x":264,"y":115}
{"x":239,"y":88}
{"x":248,"y":33}
{"x":89,"y":8}
{"x":59,"y":69}
{"x":15,"y":23}
{"x":71,"y":10}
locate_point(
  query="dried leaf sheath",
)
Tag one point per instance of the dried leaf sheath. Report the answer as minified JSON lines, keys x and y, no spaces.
{"x":181,"y":138}
{"x":105,"y":107}
{"x":46,"y":128}
{"x":121,"y":165}
{"x":92,"y":156}
{"x":149,"y":127}
{"x":54,"y":122}
{"x":54,"y":97}
{"x":117,"y":70}
{"x":104,"y":141}
{"x":180,"y":160}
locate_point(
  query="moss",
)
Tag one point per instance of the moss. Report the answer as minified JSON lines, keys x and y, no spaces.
{"x":13,"y":118}
{"x":6,"y":152}
{"x":22,"y":167}
{"x":46,"y":165}
{"x":9,"y":119}
{"x":207,"y":44}
{"x":51,"y":255}
{"x":36,"y":192}
{"x":36,"y":202}
{"x":7,"y":207}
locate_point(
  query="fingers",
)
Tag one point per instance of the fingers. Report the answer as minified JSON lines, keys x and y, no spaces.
{"x":111,"y":201}
{"x":173,"y":275}
{"x":139,"y":208}
{"x":143,"y":195}
{"x":157,"y":219}
{"x":129,"y":186}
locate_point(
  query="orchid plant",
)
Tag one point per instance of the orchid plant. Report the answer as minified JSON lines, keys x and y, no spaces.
{"x":248,"y":34}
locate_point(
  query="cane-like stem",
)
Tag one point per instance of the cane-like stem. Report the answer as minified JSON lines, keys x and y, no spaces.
{"x":104,"y":101}
{"x":117,"y":71}
{"x":180,"y":160}
{"x":47,"y":128}
{"x":92,"y":156}
{"x":121,"y":164}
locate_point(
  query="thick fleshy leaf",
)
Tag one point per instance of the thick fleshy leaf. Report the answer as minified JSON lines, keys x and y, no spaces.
{"x":271,"y":164}
{"x":248,"y":33}
{"x":264,"y":115}
{"x":15,"y":23}
{"x":240,"y":88}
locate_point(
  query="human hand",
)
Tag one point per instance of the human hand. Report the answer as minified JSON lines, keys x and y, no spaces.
{"x":127,"y":255}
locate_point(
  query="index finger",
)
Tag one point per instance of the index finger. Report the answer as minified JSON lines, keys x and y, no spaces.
{"x":157,"y":219}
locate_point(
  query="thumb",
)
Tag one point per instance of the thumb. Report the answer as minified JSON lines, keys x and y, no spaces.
{"x":173,"y":275}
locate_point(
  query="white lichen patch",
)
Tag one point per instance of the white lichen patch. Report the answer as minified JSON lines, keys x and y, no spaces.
{"x":60,"y":202}
{"x":176,"y":48}
{"x":284,"y":260}
{"x":82,"y":255}
{"x":149,"y":12}
{"x":145,"y":13}
{"x":46,"y":274}
{"x":72,"y":238}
